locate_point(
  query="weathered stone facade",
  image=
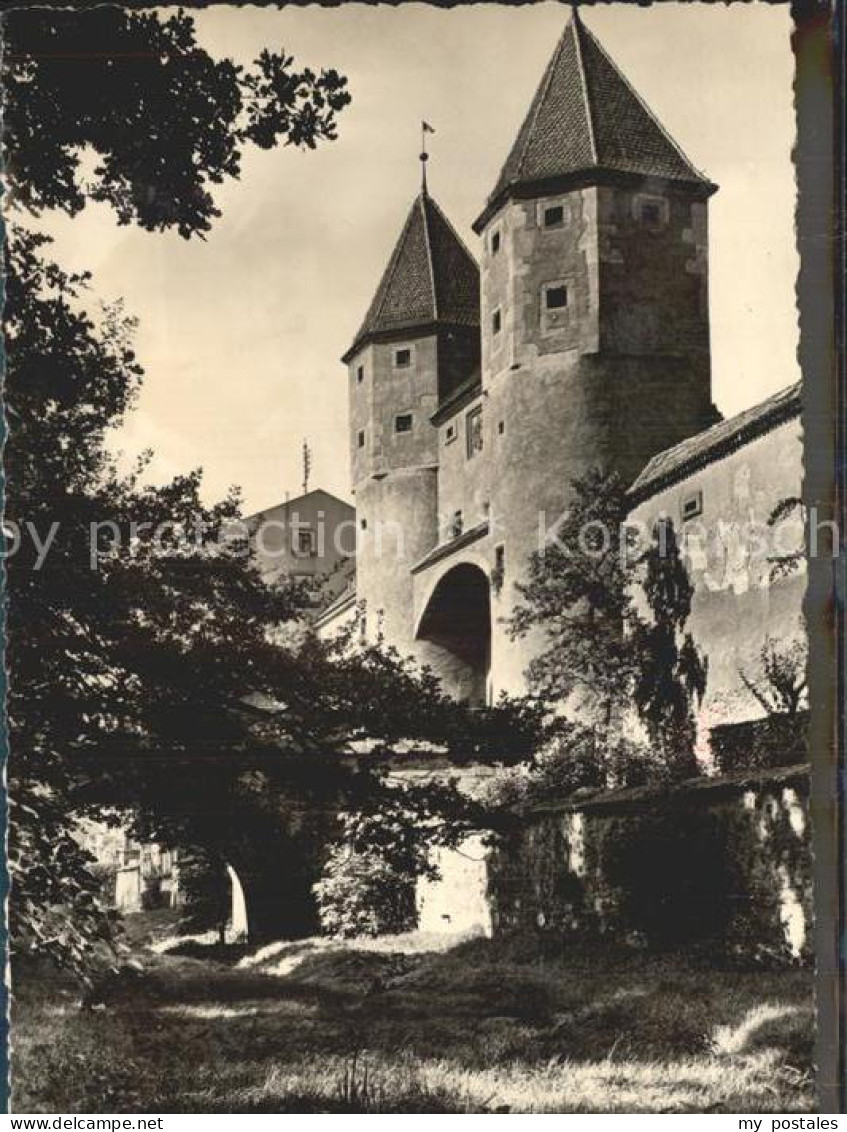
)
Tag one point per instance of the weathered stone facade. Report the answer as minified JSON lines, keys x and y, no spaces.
{"x":724,"y":862}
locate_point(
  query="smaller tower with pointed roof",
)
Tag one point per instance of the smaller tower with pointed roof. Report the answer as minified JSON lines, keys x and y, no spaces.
{"x":418,"y":342}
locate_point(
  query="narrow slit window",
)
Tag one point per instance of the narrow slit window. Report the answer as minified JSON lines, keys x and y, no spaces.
{"x":360,"y":374}
{"x":495,"y":242}
{"x":473,"y":423}
{"x":496,"y":322}
{"x":361,"y":438}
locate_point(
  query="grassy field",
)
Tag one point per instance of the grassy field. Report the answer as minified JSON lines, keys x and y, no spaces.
{"x":483,"y":1027}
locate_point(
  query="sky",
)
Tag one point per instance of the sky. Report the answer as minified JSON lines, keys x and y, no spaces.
{"x":241,"y":335}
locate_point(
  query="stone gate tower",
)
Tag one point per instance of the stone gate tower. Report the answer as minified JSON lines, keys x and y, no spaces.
{"x":474,"y":403}
{"x":595,"y":330}
{"x":419,"y":340}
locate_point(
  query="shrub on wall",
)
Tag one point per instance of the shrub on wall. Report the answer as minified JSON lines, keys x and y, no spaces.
{"x":758,"y":744}
{"x":573,"y":758}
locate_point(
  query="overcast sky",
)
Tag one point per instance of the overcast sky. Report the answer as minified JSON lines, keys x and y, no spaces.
{"x":241,"y":335}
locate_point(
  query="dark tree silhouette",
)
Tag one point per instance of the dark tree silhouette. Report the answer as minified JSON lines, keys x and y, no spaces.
{"x":135,"y":657}
{"x":671,"y":672}
{"x":144,"y":675}
{"x":607,"y":649}
{"x":126,"y":108}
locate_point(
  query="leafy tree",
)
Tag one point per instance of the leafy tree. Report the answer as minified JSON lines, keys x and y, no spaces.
{"x":160,"y":120}
{"x":671,"y":673}
{"x":135,"y":642}
{"x":148,"y":667}
{"x":607,"y":651}
{"x":787,"y":561}
{"x":367,"y":886}
{"x":152,"y":126}
{"x":364,"y":894}
{"x":577,"y":593}
{"x":780,"y":686}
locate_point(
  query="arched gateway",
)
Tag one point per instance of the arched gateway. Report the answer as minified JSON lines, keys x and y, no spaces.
{"x":454,"y":632}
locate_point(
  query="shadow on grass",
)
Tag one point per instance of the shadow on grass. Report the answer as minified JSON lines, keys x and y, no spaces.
{"x":482,"y":1028}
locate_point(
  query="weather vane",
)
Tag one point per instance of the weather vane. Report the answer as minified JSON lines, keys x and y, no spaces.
{"x":425,"y":129}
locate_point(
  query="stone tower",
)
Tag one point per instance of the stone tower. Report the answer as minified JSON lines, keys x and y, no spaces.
{"x":594,"y":306}
{"x":419,"y":341}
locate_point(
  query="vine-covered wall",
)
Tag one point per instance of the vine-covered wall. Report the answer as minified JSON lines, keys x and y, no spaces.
{"x":725,"y":864}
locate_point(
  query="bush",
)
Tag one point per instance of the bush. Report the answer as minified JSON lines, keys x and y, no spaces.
{"x":575,"y":759}
{"x":362,"y":894}
{"x":758,"y":744}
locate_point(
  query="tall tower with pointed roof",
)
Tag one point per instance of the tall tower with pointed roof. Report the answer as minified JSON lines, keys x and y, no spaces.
{"x":594,"y":303}
{"x":418,"y":342}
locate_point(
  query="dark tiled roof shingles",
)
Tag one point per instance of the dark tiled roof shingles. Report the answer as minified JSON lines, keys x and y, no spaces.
{"x":431,"y":277}
{"x":585,"y":117}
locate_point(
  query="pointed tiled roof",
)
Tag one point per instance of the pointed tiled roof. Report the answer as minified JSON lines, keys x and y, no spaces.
{"x":431,"y":279}
{"x":586,"y":119}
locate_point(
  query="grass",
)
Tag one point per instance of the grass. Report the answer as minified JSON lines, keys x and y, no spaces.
{"x":388,"y":1028}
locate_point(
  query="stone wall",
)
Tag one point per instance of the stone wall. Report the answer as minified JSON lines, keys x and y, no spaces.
{"x":738,"y":601}
{"x":724,"y":863}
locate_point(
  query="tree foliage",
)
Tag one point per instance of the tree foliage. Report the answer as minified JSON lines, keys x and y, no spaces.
{"x":670,"y":673}
{"x":126,"y":108}
{"x":145,"y":672}
{"x":613,"y":615}
{"x":577,"y":593}
{"x":779,"y":685}
{"x":146,"y":676}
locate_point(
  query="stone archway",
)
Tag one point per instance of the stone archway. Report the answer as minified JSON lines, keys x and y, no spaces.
{"x":454,"y":632}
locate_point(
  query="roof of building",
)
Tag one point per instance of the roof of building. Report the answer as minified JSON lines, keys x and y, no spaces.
{"x":431,"y":279}
{"x":297,"y":501}
{"x":680,"y":461}
{"x":458,"y":398}
{"x":340,"y":603}
{"x":586,"y":120}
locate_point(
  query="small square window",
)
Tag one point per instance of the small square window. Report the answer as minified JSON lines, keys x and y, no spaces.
{"x":495,"y":242}
{"x":555,"y":298}
{"x":360,"y":374}
{"x":554,"y":216}
{"x":496,"y":322}
{"x":652,"y":212}
{"x":361,"y":438}
{"x":501,"y":427}
{"x":473,"y":423}
{"x":403,"y":358}
{"x":403,"y":422}
{"x":692,"y":505}
{"x":304,"y":545}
